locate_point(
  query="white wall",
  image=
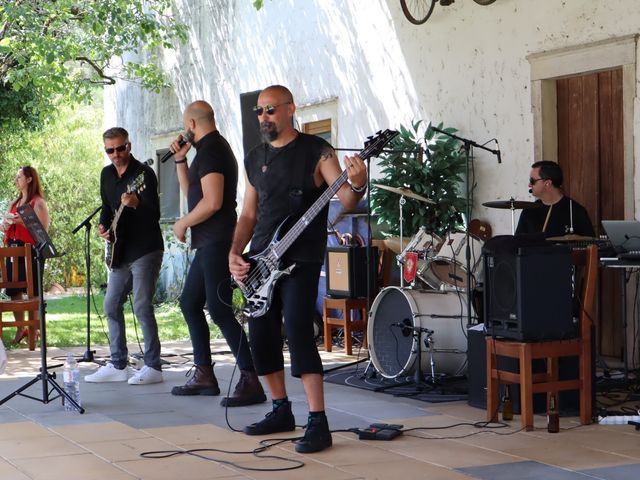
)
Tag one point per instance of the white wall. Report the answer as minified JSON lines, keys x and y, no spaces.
{"x":466,"y":67}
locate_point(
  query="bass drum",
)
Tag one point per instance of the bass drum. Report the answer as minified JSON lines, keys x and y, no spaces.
{"x":394,"y":352}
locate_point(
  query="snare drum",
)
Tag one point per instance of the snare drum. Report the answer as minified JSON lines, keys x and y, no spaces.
{"x":449,"y":265}
{"x":394,"y":352}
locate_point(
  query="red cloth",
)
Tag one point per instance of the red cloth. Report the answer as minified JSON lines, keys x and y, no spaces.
{"x":410,"y":266}
{"x":19,"y":231}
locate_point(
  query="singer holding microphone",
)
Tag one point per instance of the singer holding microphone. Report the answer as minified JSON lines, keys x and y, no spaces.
{"x":210,"y":185}
{"x":558,"y":214}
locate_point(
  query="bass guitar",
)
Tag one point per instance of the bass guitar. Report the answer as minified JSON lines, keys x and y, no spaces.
{"x":112,"y":254}
{"x":266,"y":266}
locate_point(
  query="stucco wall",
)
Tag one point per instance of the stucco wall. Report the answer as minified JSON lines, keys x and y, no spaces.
{"x":467,"y":66}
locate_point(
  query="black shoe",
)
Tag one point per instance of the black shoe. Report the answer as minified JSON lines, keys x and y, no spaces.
{"x":248,"y":391}
{"x":317,"y":436}
{"x":279,"y":420}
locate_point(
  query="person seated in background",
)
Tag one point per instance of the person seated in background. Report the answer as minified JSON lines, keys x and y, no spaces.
{"x":558,"y":214}
{"x":16,"y":234}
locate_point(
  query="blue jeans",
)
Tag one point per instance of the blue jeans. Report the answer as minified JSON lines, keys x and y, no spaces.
{"x":209,"y":281}
{"x":139,"y":277}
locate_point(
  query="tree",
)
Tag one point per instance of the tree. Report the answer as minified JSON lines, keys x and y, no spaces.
{"x":52,"y":50}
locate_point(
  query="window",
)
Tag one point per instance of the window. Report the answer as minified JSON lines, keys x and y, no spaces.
{"x":321,"y":128}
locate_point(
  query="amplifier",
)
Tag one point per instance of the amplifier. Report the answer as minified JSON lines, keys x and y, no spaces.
{"x":347,"y":271}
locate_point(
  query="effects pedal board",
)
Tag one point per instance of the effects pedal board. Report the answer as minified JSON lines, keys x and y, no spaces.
{"x":380,"y":431}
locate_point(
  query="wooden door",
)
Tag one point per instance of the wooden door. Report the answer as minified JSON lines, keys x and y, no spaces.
{"x":590,"y":152}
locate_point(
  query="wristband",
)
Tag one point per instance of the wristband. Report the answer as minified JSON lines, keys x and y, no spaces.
{"x":361,"y":189}
{"x":184,"y":160}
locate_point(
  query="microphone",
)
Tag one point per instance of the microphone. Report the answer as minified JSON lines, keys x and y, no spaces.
{"x":169,"y":154}
{"x":405,"y":325}
{"x":498,"y":154}
{"x":148,"y":161}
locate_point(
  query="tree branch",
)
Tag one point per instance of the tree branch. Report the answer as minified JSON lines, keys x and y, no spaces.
{"x":107,"y":80}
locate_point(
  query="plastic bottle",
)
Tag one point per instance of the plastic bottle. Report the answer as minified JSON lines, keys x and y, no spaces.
{"x":71,"y":377}
{"x":507,"y":405}
{"x":553,"y":416}
{"x":618,"y":419}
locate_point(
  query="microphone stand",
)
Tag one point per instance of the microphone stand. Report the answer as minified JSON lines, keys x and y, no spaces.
{"x":86,"y":223}
{"x":467,"y":145}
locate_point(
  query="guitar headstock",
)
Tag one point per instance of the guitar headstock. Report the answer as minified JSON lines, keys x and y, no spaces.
{"x":137,"y":184}
{"x":374,"y":144}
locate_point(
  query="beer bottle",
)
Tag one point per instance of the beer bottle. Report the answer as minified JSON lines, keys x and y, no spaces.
{"x":507,"y":405}
{"x":553,"y":416}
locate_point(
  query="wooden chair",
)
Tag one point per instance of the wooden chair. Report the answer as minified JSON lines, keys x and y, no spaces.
{"x":551,"y":350}
{"x":345,"y":306}
{"x":30,"y":305}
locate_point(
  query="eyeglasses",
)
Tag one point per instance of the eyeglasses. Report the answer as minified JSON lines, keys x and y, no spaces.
{"x":120,"y":148}
{"x":532,"y":181}
{"x":268,"y":109}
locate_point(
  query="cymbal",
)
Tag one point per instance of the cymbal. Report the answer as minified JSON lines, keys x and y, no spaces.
{"x":405,"y":192}
{"x":570,"y":237}
{"x":515,"y":204}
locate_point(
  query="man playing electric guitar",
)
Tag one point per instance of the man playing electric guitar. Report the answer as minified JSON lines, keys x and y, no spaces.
{"x":285,"y":175}
{"x":140,"y":249}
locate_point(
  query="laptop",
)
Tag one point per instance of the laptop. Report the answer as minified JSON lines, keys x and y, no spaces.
{"x":623,"y":234}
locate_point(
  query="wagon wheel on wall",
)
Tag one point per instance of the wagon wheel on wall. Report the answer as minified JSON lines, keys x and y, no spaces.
{"x":417,"y":11}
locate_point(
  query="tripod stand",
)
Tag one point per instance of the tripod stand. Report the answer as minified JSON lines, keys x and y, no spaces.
{"x":86,"y":223}
{"x":418,"y":380}
{"x":43,"y":249}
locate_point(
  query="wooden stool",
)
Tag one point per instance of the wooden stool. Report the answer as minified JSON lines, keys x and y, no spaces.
{"x":346,"y":305}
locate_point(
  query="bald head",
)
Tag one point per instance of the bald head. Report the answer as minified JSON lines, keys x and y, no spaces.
{"x":199,"y":118}
{"x":283,"y":93}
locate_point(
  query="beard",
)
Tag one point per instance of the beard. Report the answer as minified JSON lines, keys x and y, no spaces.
{"x":269,"y":131}
{"x":188,"y":135}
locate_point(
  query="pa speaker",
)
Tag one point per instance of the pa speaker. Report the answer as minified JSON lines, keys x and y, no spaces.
{"x":528,"y":290}
{"x":347,"y":271}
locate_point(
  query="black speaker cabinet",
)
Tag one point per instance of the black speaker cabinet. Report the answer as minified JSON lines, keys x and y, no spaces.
{"x":347,"y":271}
{"x":528,"y":290}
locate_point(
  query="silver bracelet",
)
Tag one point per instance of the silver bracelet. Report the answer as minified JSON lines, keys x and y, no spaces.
{"x":361,"y":189}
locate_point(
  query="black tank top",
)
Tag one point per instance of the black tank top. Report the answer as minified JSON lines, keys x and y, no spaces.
{"x":271,"y":172}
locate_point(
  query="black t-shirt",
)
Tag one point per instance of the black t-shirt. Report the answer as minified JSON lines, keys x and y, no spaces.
{"x":138,"y":230}
{"x":214,"y":155}
{"x":560,"y":220}
{"x":271,"y":172}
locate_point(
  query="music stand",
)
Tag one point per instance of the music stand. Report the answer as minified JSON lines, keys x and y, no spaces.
{"x":44,"y":249}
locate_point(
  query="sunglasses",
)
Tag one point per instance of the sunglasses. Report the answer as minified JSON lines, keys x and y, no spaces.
{"x":532,"y":181}
{"x":120,"y":148}
{"x":268,"y":109}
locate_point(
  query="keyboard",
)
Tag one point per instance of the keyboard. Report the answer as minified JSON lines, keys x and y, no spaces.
{"x":630,"y":255}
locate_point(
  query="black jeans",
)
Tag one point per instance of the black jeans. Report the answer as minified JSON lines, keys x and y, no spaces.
{"x":294,"y":299}
{"x":209,"y":281}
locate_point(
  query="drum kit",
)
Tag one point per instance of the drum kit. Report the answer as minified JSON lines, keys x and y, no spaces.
{"x":429,"y":314}
{"x":422,"y":325}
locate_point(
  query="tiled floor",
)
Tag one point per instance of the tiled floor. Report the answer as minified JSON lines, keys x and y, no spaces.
{"x":42,"y":441}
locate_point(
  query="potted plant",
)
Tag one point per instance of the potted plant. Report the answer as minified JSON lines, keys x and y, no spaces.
{"x":429,"y":164}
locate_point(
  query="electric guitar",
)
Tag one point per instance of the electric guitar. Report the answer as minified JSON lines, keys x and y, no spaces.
{"x":266,"y":266}
{"x":112,"y":254}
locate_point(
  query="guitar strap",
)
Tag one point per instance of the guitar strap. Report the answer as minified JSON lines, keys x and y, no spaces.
{"x":296,"y":187}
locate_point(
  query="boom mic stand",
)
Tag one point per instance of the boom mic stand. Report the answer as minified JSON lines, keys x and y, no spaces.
{"x":86,"y":223}
{"x":467,"y":145}
{"x":43,"y":249}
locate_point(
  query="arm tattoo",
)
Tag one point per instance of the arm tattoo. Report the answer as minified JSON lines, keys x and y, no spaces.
{"x":327,"y":154}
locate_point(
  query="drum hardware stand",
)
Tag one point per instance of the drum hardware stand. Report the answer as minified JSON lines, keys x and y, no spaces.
{"x":86,"y":223}
{"x":43,"y":249}
{"x":418,"y":379}
{"x":467,"y":145}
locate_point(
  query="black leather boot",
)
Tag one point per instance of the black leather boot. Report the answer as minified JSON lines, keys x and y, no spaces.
{"x":203,"y":382}
{"x":248,"y":391}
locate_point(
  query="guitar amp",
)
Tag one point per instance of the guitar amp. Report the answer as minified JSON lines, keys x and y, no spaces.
{"x":347,"y":271}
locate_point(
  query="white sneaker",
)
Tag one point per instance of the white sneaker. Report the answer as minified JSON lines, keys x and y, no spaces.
{"x":108,"y":373}
{"x":145,"y":376}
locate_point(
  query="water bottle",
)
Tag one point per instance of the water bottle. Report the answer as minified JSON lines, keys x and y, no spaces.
{"x":71,"y":377}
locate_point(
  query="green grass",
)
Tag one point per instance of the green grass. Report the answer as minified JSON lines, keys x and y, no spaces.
{"x":67,"y":323}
